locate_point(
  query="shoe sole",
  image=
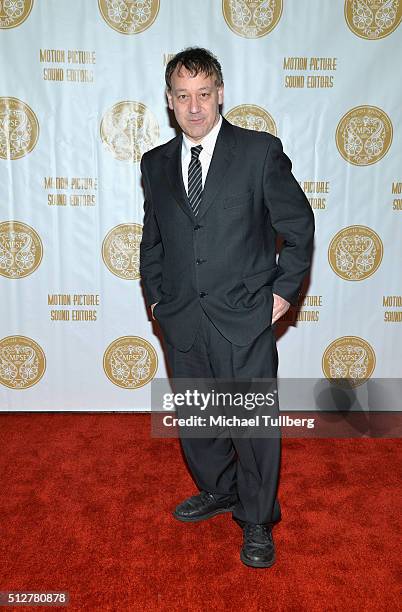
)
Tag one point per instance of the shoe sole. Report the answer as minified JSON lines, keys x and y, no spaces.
{"x":258,"y":564}
{"x":203,"y":517}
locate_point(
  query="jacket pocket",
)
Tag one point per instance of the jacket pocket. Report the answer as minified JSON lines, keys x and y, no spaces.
{"x":238,"y":200}
{"x":266,"y":277}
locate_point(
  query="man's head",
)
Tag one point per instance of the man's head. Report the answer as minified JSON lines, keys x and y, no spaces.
{"x":194,"y":89}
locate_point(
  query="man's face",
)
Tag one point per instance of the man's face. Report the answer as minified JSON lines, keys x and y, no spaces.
{"x":195,"y":102}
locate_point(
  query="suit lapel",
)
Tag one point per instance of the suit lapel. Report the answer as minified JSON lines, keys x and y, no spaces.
{"x":220,"y":162}
{"x":175,"y":176}
{"x":221,"y":159}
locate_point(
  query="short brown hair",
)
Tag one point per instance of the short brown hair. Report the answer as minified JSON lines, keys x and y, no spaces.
{"x":195,"y":60}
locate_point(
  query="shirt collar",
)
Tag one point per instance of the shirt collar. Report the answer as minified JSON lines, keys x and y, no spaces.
{"x":208,"y":142}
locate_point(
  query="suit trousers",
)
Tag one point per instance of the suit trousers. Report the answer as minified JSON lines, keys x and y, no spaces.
{"x":244,"y":468}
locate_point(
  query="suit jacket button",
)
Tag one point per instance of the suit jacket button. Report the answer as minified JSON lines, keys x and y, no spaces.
{"x":200,"y":261}
{"x":203,"y":294}
{"x":197,"y":227}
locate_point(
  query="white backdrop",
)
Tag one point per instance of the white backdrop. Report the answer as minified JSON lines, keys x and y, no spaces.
{"x":82,"y":97}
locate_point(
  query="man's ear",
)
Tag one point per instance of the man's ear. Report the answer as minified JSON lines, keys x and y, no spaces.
{"x":220,"y":94}
{"x":169,"y":99}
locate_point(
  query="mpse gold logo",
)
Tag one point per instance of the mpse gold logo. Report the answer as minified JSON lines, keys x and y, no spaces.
{"x":121,"y":250}
{"x":355,"y":252}
{"x":129,"y":16}
{"x":364,"y":135}
{"x":252,"y":18}
{"x":19,"y":128}
{"x":21,"y":249}
{"x":22,"y":362}
{"x":252,"y":117}
{"x":130,"y":362}
{"x":373,"y":19}
{"x":128,"y":130}
{"x":349,"y":360}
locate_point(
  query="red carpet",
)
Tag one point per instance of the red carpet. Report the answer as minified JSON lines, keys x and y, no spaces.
{"x":85,"y":508}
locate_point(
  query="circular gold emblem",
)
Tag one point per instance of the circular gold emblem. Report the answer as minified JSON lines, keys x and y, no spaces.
{"x":19,"y":128}
{"x":129,"y":16}
{"x":252,"y":117}
{"x":355,"y":252}
{"x":121,"y":250}
{"x":364,"y":135}
{"x":22,"y":362}
{"x":130,"y":362}
{"x":20,"y":249}
{"x":252,"y":18}
{"x":128,"y":130}
{"x":14,"y":12}
{"x":373,"y":19}
{"x":349,"y":359}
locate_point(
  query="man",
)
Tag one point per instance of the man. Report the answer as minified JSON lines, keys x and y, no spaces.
{"x":216,"y":196}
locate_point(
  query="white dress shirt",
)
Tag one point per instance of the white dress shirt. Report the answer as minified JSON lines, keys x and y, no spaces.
{"x":208,"y":146}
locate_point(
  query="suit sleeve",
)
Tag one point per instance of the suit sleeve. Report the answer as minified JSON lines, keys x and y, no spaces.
{"x":151,"y":247}
{"x":292,"y":219}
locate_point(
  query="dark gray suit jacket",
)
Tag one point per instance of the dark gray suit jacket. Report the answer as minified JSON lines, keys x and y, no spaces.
{"x":224,"y":259}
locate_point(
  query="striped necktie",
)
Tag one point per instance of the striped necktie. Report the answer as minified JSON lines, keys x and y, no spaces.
{"x":195,"y":179}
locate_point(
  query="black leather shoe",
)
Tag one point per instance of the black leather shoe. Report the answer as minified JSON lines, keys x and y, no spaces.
{"x":258,"y":546}
{"x":202,"y":506}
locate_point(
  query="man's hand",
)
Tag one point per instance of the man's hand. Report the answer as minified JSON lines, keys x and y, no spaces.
{"x":152,"y":310}
{"x":280,"y":307}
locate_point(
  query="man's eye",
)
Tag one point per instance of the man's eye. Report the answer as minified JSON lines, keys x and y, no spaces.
{"x":182,"y":96}
{"x":205,"y":95}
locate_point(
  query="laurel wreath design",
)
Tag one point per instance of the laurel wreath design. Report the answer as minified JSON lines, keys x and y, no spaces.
{"x":355,"y":144}
{"x":355,"y":255}
{"x":129,"y":15}
{"x":18,"y":263}
{"x":18,"y":375}
{"x":349,"y":361}
{"x":372,"y":23}
{"x":134,"y":374}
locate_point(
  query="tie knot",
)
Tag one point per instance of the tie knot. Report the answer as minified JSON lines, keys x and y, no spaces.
{"x":195,"y":151}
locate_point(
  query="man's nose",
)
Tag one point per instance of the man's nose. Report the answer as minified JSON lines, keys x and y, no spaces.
{"x":194,"y":105}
